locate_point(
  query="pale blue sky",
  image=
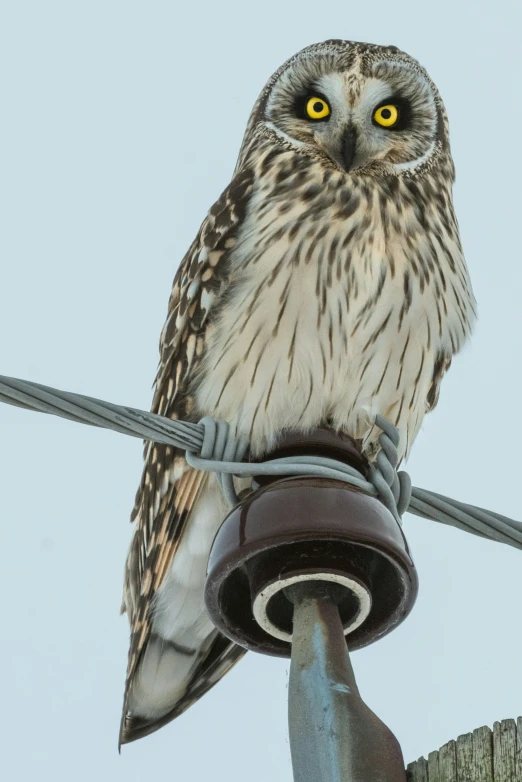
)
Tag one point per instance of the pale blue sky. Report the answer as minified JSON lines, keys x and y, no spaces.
{"x":121,"y":122}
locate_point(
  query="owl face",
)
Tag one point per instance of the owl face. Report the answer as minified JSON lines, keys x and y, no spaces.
{"x":356,"y":107}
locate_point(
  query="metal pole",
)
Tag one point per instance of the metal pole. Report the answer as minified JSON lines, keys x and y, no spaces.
{"x":334,"y":736}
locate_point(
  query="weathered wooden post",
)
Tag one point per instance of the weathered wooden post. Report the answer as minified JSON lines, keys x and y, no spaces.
{"x":482,"y":756}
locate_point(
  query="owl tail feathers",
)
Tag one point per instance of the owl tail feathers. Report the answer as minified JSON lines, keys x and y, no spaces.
{"x":169,"y":680}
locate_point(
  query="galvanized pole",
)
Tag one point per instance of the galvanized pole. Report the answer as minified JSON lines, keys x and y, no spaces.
{"x":334,"y":736}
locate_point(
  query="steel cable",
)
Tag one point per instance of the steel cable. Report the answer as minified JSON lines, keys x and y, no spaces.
{"x":210,"y":445}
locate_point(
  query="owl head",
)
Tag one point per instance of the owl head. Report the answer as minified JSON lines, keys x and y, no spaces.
{"x":358,"y":108}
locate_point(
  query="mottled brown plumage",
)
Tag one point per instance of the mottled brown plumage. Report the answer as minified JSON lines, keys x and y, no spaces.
{"x":326,"y":285}
{"x":160,"y":522}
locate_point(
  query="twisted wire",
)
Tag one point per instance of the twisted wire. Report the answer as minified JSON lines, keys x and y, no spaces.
{"x":210,"y":445}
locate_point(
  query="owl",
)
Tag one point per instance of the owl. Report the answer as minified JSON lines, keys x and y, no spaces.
{"x":326,"y":285}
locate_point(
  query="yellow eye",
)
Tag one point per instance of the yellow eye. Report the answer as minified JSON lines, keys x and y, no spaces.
{"x":386,"y":116}
{"x":317,"y":108}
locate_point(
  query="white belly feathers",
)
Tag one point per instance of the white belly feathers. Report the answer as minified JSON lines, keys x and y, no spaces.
{"x":309,"y":337}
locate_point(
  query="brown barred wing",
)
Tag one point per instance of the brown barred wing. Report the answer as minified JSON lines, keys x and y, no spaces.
{"x":169,"y":488}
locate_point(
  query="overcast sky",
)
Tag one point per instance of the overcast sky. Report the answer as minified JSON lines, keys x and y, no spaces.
{"x":121,"y":122}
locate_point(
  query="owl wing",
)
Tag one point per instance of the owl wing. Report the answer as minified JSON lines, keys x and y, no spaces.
{"x":169,"y":488}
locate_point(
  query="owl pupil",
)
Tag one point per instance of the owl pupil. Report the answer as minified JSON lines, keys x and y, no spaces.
{"x":318,"y":107}
{"x":386,"y":114}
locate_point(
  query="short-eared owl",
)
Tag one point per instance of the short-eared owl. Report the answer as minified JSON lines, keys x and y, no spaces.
{"x":326,"y":285}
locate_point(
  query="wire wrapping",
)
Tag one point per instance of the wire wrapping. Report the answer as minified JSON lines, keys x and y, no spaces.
{"x":210,"y":445}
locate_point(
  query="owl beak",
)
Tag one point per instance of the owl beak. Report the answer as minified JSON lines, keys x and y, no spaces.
{"x":348,"y":147}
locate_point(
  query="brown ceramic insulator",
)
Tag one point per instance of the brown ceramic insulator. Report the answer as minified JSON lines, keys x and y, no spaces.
{"x":320,"y":442}
{"x":308,"y":526}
